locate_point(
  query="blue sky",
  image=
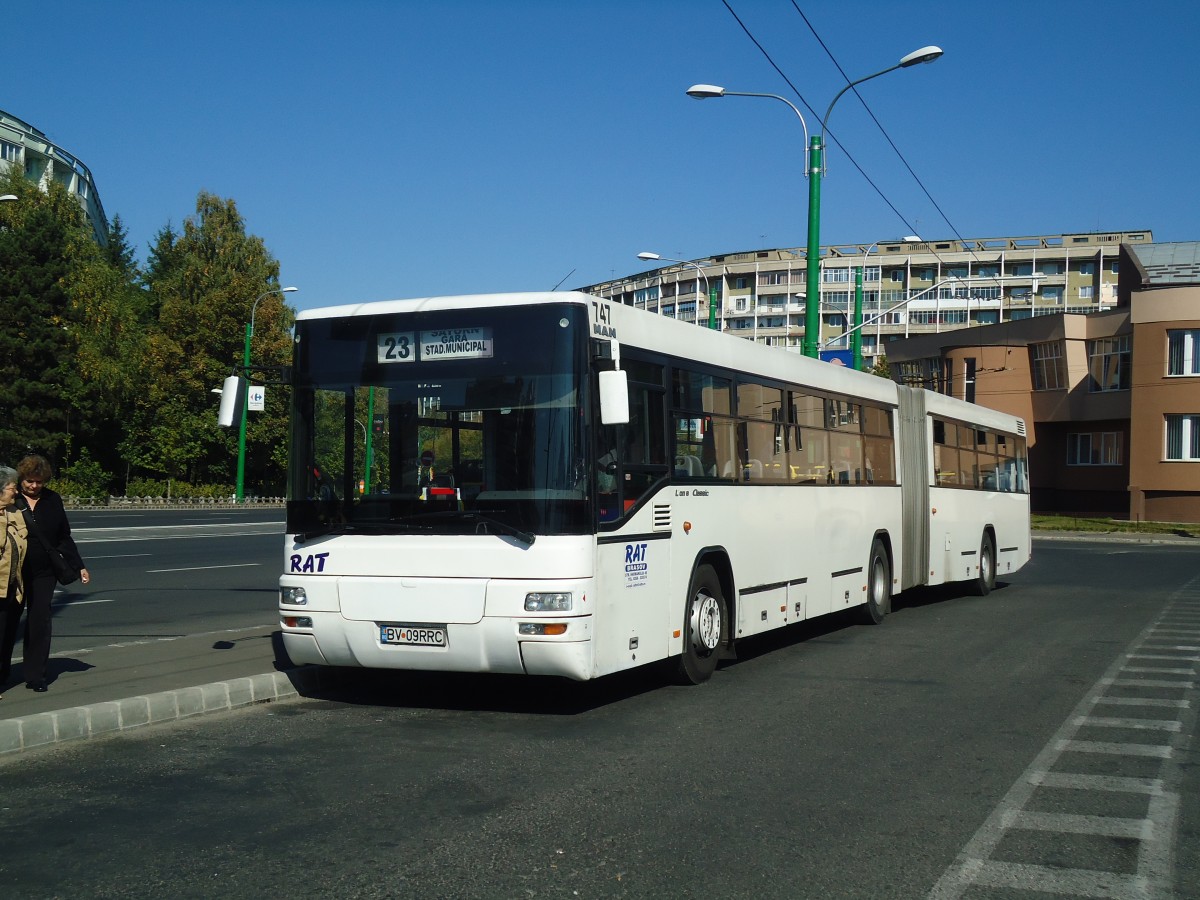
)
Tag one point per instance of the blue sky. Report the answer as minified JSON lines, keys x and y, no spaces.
{"x":402,"y":149}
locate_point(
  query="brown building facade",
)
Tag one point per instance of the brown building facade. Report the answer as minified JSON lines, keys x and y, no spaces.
{"x":1111,"y":400}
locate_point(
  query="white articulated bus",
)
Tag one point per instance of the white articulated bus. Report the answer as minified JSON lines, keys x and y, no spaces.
{"x":554,"y":484}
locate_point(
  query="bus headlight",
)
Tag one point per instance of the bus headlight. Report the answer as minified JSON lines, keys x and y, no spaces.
{"x":294,"y":596}
{"x":548,"y":602}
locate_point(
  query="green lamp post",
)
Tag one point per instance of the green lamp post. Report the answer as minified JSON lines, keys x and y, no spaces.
{"x":816,"y":167}
{"x":241,"y":461}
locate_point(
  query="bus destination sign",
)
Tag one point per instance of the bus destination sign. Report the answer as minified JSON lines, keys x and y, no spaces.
{"x":441,"y":343}
{"x":456,"y":343}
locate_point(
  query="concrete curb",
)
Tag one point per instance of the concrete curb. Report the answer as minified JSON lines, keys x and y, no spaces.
{"x":114,"y":716}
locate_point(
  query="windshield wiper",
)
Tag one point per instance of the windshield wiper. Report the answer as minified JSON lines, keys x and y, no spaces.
{"x":321,"y":531}
{"x":485,"y":522}
{"x":503,"y":527}
{"x":352,"y":528}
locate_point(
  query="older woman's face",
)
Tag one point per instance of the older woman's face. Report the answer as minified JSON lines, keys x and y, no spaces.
{"x":31,"y":487}
{"x":8,"y":493}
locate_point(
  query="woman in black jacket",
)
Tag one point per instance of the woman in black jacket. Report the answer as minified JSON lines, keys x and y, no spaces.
{"x":44,"y":513}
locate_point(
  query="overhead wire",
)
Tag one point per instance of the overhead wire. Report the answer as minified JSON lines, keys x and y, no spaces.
{"x":832,"y":136}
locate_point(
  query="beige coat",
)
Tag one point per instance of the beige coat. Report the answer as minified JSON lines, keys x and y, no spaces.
{"x":12,"y":553}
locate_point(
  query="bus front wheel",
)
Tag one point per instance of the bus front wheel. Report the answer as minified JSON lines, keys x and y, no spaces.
{"x":985,"y":581}
{"x":879,"y":586}
{"x":705,"y":627}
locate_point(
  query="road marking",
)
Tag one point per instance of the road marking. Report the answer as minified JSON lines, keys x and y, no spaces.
{"x":202,"y":568}
{"x":85,"y":602}
{"x":66,"y":654}
{"x":118,"y":555}
{"x":974,"y":866}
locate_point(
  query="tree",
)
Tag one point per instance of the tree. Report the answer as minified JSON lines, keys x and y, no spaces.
{"x":202,"y":283}
{"x":35,"y":344}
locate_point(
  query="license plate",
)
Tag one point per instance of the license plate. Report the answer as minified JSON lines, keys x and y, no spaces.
{"x":413,"y":635}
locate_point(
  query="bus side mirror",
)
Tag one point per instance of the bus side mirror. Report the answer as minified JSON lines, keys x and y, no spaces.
{"x":614,"y":397}
{"x":233,"y":398}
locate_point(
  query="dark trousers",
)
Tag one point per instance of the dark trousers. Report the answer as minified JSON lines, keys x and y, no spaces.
{"x":10,"y":620}
{"x":39,"y":591}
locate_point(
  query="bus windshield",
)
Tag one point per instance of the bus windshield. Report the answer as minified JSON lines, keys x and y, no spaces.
{"x":446,"y":422}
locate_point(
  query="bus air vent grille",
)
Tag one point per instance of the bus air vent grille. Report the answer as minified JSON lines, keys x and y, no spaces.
{"x":1021,"y":428}
{"x":662,"y":517}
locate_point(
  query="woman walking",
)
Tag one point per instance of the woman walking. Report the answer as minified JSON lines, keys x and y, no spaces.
{"x":13,"y":541}
{"x":49,"y":531}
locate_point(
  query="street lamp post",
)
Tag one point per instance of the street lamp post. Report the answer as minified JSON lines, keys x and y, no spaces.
{"x":816,"y":163}
{"x":241,"y":461}
{"x":647,"y":256}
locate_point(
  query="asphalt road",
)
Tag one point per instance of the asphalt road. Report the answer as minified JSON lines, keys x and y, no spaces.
{"x":1039,"y":738}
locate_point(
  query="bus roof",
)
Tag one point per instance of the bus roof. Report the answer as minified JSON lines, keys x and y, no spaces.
{"x":639,"y":328}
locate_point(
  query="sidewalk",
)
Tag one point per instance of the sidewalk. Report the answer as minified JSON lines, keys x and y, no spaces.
{"x":126,"y":686}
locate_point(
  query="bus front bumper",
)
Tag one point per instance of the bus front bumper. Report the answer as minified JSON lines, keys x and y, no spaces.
{"x":493,"y":644}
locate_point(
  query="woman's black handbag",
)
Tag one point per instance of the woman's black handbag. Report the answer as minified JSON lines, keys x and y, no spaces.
{"x":65,"y":571}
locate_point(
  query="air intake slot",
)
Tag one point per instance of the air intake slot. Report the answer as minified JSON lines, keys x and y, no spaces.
{"x":662,"y":517}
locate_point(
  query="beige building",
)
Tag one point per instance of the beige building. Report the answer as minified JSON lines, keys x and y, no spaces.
{"x":910,"y":287}
{"x":1111,"y":399}
{"x":42,"y":161}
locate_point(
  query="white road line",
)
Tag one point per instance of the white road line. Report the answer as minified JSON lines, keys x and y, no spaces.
{"x":85,"y":602}
{"x":118,"y":555}
{"x":974,"y":867}
{"x":158,"y":640}
{"x":202,"y":568}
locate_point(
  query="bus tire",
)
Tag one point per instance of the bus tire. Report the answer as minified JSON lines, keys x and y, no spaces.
{"x":705,"y":627}
{"x":985,"y":582}
{"x":879,"y":586}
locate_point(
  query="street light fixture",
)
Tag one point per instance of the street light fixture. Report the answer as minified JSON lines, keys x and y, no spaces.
{"x":647,"y":256}
{"x":816,"y":163}
{"x":6,"y":197}
{"x":241,"y":462}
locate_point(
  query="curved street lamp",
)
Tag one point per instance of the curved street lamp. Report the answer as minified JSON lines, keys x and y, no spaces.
{"x":816,"y":166}
{"x":647,"y":256}
{"x":240,"y":490}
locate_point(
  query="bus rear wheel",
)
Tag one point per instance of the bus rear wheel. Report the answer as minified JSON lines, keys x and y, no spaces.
{"x":705,"y":627}
{"x":985,"y":581}
{"x":879,"y":586}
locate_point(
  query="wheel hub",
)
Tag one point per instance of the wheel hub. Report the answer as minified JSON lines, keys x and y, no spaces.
{"x":706,"y":623}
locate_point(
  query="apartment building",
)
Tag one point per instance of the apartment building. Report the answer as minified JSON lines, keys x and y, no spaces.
{"x":1111,"y":399}
{"x":22,"y":145}
{"x":909,"y":287}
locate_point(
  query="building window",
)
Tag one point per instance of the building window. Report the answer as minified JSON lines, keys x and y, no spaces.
{"x":1183,"y":437}
{"x":1116,"y":267}
{"x":1109,"y":364}
{"x":1183,"y":352}
{"x":1085,"y":292}
{"x":1099,"y":448}
{"x":1052,"y":294}
{"x":1087,"y":268}
{"x":9,"y":152}
{"x":897,"y":274}
{"x":1048,"y":367}
{"x":835,"y":275}
{"x":741,"y":283}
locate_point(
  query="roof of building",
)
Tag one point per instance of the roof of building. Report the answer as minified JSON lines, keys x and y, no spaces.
{"x":1169,"y":263}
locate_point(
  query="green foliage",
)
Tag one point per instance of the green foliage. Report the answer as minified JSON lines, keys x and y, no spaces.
{"x":203,"y":283}
{"x":881,"y":368}
{"x":83,"y":478}
{"x":108,"y":368}
{"x":177,"y":490}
